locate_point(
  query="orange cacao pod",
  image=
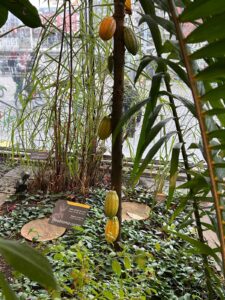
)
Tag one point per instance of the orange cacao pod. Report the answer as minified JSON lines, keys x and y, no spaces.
{"x":107,"y":28}
{"x":112,"y":229}
{"x":130,"y":41}
{"x":111,"y":204}
{"x":128,"y":7}
{"x":105,"y":128}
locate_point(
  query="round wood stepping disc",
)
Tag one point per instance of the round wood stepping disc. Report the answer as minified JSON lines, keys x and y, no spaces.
{"x":39,"y":230}
{"x":135,"y":211}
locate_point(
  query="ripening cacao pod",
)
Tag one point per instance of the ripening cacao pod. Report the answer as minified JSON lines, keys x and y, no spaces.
{"x":111,"y":204}
{"x":110,"y":63}
{"x":130,"y":41}
{"x":107,"y":28}
{"x":105,"y":128}
{"x":128,"y":7}
{"x":112,"y":229}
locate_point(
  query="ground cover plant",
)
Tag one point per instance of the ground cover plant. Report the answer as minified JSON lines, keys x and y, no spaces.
{"x":153,"y":262}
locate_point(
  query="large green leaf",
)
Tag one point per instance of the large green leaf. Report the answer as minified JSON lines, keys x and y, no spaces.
{"x":187,"y":103}
{"x":148,"y":6}
{"x":197,"y":184}
{"x":172,"y":47}
{"x":215,"y":111}
{"x":200,"y":9}
{"x":146,"y":60}
{"x":23,"y":10}
{"x":201,"y":247}
{"x":213,"y":72}
{"x":214,"y":94}
{"x":148,"y":158}
{"x":178,"y":70}
{"x":149,"y":9}
{"x":150,"y":107}
{"x":162,"y":4}
{"x":3,"y":15}
{"x":165,"y":24}
{"x":211,"y":50}
{"x":29,"y":262}
{"x":220,"y":134}
{"x":126,"y":117}
{"x":6,"y":289}
{"x":210,"y":30}
{"x":152,"y":132}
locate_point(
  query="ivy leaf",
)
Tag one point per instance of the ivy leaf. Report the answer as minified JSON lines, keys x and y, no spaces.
{"x":116,"y":267}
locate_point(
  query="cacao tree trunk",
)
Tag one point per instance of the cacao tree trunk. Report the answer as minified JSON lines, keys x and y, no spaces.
{"x":117,"y":105}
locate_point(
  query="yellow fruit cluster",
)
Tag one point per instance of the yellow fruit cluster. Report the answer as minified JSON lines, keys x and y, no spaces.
{"x":111,"y":208}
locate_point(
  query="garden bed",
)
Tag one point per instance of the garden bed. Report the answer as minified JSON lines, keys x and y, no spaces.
{"x":152,"y":264}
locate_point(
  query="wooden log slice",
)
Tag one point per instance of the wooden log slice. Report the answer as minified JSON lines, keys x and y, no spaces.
{"x":40,"y":230}
{"x":135,"y":211}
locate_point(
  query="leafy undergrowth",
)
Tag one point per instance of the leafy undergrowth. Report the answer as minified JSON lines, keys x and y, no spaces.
{"x":152,"y":264}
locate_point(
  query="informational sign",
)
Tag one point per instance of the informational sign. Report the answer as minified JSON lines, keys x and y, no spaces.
{"x":67,"y":214}
{"x":40,"y":155}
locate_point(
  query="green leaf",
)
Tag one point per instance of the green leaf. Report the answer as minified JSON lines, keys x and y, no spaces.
{"x":127,"y":116}
{"x":144,"y":62}
{"x":29,"y":262}
{"x":148,"y":116}
{"x":201,"y":247}
{"x":218,"y":147}
{"x":127,"y":262}
{"x":173,"y":172}
{"x":214,"y":94}
{"x":157,"y":247}
{"x":211,"y":50}
{"x":201,"y":9}
{"x":148,"y":6}
{"x":155,"y":20}
{"x":178,"y":70}
{"x":214,"y":111}
{"x":172,"y":47}
{"x":180,"y":208}
{"x":116,"y":267}
{"x":3,"y":15}
{"x":212,"y":72}
{"x":141,"y":260}
{"x":163,"y":4}
{"x":108,"y":295}
{"x":6,"y":289}
{"x":197,"y":183}
{"x":152,"y":132}
{"x":210,"y":30}
{"x":220,"y":134}
{"x":149,"y":9}
{"x":24,"y":11}
{"x":151,"y":153}
{"x":187,"y":103}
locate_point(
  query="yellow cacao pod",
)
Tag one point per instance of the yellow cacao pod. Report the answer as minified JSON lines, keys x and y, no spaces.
{"x":107,"y":28}
{"x":128,"y":9}
{"x":111,"y":204}
{"x":112,"y":229}
{"x":105,"y":128}
{"x":130,"y":41}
